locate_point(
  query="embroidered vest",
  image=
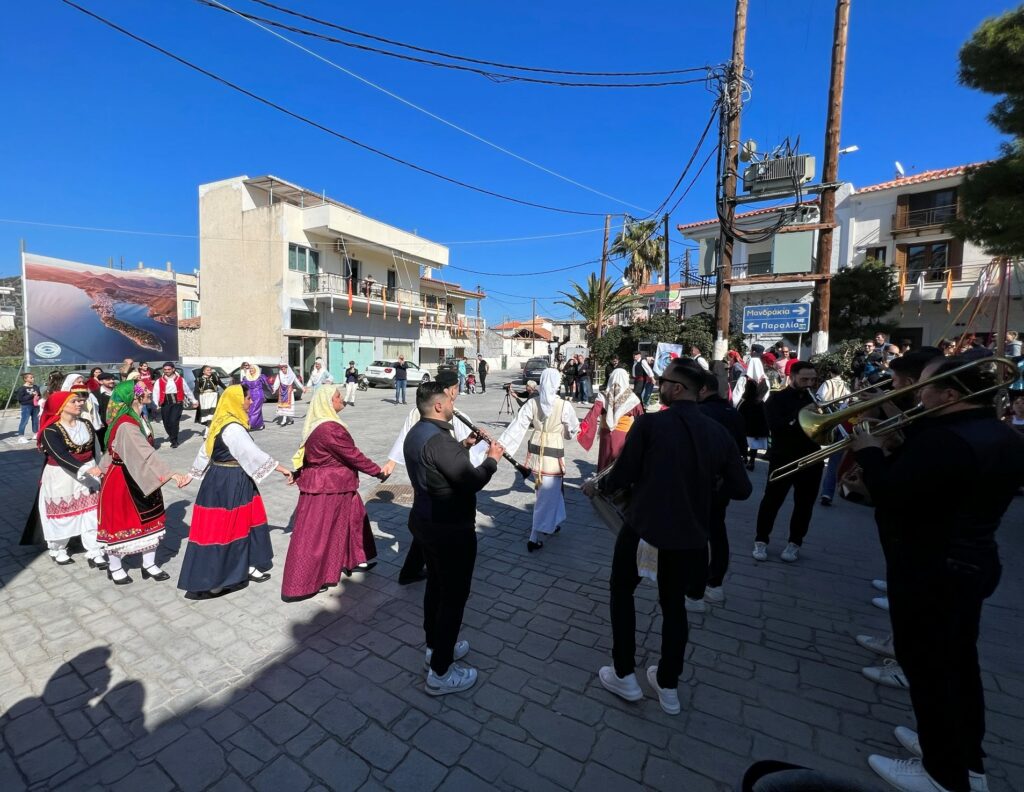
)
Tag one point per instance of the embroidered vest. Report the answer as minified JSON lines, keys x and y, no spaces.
{"x":547,"y":446}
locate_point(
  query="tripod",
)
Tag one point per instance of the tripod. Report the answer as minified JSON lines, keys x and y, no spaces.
{"x":508,"y":407}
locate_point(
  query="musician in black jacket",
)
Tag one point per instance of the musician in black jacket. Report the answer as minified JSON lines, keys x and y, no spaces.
{"x":672,"y":462}
{"x":789,"y":443}
{"x":721,"y":411}
{"x":943,"y":562}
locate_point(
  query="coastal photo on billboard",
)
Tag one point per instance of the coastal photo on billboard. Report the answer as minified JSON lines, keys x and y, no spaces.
{"x":80,"y":313}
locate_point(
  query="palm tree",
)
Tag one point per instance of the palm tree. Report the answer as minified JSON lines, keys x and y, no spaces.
{"x":645,"y":250}
{"x":584,"y":301}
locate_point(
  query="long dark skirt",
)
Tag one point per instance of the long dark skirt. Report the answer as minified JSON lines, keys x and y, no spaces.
{"x":331,"y":534}
{"x":228,"y":534}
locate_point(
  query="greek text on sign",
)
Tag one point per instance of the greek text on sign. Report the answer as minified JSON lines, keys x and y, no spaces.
{"x":782,"y":318}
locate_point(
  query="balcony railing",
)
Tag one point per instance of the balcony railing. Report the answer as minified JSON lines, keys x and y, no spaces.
{"x":918,"y":219}
{"x":327,"y":283}
{"x":453,"y":323}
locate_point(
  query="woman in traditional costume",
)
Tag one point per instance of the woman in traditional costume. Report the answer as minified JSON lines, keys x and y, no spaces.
{"x":258,"y":386}
{"x":90,"y":407}
{"x":228,"y":541}
{"x":552,"y":421}
{"x":69,"y":485}
{"x":330,"y":531}
{"x":284,"y":387}
{"x":610,"y":418}
{"x":206,"y":392}
{"x":131,"y":516}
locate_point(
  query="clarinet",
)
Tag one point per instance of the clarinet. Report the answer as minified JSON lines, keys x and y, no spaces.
{"x":523,"y":470}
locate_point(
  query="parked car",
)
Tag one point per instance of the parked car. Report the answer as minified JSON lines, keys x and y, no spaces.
{"x":382,"y":372}
{"x":270,"y":372}
{"x":452,"y":364}
{"x":534,"y":368}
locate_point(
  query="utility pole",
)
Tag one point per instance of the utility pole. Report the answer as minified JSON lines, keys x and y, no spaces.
{"x":829,"y":177}
{"x":478,"y":287}
{"x":533,"y":329}
{"x":733,"y":99}
{"x":686,"y":267}
{"x":668,"y":272}
{"x":600,"y":283}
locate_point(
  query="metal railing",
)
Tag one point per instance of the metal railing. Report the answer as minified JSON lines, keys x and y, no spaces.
{"x":924,"y":218}
{"x":367,"y":288}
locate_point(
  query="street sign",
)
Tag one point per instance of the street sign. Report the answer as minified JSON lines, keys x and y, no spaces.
{"x":783,"y":318}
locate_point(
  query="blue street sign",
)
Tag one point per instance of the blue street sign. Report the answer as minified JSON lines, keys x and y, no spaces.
{"x":776,"y":319}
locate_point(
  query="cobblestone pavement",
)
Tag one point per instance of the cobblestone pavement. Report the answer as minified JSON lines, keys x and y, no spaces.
{"x":137,"y":688}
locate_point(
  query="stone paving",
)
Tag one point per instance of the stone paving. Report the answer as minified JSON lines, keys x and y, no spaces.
{"x":136,"y":688}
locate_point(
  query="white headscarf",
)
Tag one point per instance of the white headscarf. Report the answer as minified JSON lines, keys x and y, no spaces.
{"x":618,"y":398}
{"x":549,"y":381}
{"x":91,"y":409}
{"x":286,"y":377}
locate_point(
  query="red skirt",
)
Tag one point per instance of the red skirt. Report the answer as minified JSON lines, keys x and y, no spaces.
{"x":129,"y":521}
{"x":330,"y":534}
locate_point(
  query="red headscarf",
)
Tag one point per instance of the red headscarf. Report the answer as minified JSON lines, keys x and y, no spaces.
{"x":55,"y":402}
{"x":734,"y":357}
{"x":768,"y":359}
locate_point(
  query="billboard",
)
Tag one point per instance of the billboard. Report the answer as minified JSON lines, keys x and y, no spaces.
{"x":80,"y":313}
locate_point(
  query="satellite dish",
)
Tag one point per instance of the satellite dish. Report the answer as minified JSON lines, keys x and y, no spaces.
{"x":899,"y":169}
{"x":748,"y":150}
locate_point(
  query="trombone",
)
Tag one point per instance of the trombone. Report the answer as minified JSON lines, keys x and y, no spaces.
{"x":819,"y":420}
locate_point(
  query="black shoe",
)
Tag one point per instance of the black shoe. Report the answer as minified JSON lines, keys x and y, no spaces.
{"x":159,"y":576}
{"x":405,"y":580}
{"x":68,"y":560}
{"x":101,"y":564}
{"x":174,"y":445}
{"x":259,"y":577}
{"x":119,"y":581}
{"x":531,"y":546}
{"x":366,"y":566}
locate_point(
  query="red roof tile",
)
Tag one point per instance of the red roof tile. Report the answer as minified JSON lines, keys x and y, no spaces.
{"x":918,"y":178}
{"x":744,"y":215}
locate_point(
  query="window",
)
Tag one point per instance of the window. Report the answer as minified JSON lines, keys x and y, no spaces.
{"x":354,"y":265}
{"x":876,"y":253}
{"x":189,"y":309}
{"x":924,"y":209}
{"x":392,"y":281}
{"x":392,"y":349}
{"x":759,"y":263}
{"x":932,"y":259}
{"x":302,"y":259}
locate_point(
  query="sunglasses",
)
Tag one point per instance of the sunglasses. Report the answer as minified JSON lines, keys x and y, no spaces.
{"x":675,"y":382}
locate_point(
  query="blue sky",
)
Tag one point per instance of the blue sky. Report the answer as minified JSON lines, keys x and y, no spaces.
{"x":102,"y":132}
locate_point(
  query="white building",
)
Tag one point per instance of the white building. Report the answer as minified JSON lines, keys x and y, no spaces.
{"x":900,"y":222}
{"x":291,"y":273}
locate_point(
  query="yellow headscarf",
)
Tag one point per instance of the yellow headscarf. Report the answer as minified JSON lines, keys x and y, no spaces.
{"x":230,"y":409}
{"x":320,"y":411}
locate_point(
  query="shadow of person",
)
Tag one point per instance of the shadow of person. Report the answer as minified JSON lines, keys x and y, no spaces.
{"x":176,"y":530}
{"x":45,"y":738}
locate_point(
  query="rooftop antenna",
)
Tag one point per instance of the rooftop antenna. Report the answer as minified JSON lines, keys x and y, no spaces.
{"x":900,"y":173}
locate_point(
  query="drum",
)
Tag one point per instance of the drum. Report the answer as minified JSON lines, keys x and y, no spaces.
{"x":610,"y":507}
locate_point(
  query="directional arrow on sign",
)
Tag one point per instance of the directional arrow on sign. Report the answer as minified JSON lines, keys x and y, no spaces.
{"x":800,"y":311}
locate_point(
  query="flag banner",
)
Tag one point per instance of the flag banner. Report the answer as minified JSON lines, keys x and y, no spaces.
{"x":350,"y":295}
{"x":665,"y":354}
{"x":919,"y":292}
{"x":79,"y":313}
{"x":949,"y":290}
{"x":384,"y":300}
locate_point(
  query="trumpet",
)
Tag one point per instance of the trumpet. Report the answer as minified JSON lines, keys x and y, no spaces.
{"x":818,"y":421}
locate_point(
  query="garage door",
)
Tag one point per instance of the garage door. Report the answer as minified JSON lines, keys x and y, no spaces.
{"x":341,"y":351}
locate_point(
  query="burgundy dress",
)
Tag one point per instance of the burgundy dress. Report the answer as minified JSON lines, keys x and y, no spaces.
{"x":612,"y":440}
{"x":331,"y":532}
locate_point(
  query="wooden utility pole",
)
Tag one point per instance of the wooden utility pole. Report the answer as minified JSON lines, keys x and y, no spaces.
{"x":830,"y":177}
{"x":478,"y":319}
{"x":600,"y":283}
{"x":733,"y":98}
{"x":533,"y":328}
{"x":668,"y":273}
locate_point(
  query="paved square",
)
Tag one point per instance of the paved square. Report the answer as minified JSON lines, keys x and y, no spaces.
{"x":137,"y":688}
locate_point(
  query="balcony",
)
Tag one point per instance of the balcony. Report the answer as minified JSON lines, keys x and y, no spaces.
{"x":456,"y":324}
{"x":327,"y":284}
{"x":918,"y":221}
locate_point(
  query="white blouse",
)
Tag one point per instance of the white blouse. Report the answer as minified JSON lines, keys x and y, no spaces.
{"x":250,"y":457}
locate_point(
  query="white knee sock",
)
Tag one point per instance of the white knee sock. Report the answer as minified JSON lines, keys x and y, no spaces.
{"x":117,"y":571}
{"x":149,"y":559}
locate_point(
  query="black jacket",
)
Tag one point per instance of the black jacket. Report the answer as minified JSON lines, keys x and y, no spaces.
{"x":722,"y":412}
{"x":911,"y":489}
{"x":26,"y":393}
{"x":788,"y":440}
{"x":674,"y":462}
{"x":444,"y":480}
{"x":401,"y":370}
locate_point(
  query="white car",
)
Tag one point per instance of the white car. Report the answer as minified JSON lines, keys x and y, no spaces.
{"x":382,"y":372}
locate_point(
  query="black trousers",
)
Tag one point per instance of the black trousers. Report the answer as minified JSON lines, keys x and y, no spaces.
{"x":935,"y":605}
{"x":414,"y":562}
{"x":677,"y":571}
{"x":450,"y":553}
{"x":170,"y":414}
{"x":483,"y":382}
{"x":805,"y":485}
{"x":718,"y":550}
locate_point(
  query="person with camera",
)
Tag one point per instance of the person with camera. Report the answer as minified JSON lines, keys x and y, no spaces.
{"x":943,"y":563}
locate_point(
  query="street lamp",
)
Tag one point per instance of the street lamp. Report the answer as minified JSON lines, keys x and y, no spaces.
{"x":849,"y":149}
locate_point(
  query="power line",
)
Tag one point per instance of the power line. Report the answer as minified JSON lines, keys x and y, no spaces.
{"x":465,"y":59}
{"x":524,"y":274}
{"x":423,"y":110}
{"x":323,"y":128}
{"x":491,"y":75}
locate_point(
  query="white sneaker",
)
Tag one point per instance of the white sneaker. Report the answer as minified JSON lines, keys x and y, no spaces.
{"x":24,"y":440}
{"x":624,"y":687}
{"x":458,"y":678}
{"x":881,"y":602}
{"x":908,"y":739}
{"x":791,"y":553}
{"x":882,"y":646}
{"x":714,"y":594}
{"x":461,"y":650}
{"x":881,"y":585}
{"x":907,"y":775}
{"x":888,"y":674}
{"x":760,"y":551}
{"x":667,"y":697}
{"x":695,"y":605}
